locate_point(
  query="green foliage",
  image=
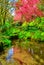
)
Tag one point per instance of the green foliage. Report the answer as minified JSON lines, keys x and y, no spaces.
{"x":41,"y":6}
{"x":4,"y":38}
{"x":6,"y":23}
{"x":34,"y":30}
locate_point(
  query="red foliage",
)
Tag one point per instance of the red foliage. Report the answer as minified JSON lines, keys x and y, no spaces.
{"x":27,"y":9}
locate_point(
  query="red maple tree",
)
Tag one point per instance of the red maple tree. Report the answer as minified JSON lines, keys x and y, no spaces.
{"x":27,"y":9}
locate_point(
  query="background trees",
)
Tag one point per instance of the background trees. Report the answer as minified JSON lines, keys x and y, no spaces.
{"x":5,"y":21}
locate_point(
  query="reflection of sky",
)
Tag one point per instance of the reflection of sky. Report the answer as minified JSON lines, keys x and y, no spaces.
{"x":12,"y":10}
{"x":13,"y":0}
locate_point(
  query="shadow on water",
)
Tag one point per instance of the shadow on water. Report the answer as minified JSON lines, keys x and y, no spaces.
{"x":1,"y":49}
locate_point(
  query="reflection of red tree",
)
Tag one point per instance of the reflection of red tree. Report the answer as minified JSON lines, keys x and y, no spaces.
{"x":27,"y":9}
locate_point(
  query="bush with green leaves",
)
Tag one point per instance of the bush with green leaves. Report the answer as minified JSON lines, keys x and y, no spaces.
{"x":33,"y":30}
{"x":29,"y":31}
{"x":38,"y":26}
{"x":5,"y":33}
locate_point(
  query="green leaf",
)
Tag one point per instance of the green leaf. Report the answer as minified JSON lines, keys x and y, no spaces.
{"x":6,"y":41}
